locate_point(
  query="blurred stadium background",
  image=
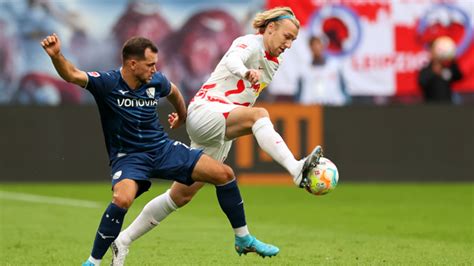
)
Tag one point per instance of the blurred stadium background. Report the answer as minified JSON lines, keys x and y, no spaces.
{"x":406,"y":191}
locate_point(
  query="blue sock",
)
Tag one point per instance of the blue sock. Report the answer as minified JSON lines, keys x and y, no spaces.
{"x":231,"y":203}
{"x":109,"y":229}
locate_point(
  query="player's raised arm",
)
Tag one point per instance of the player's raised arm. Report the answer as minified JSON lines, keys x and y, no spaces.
{"x":177,"y":100}
{"x":52,"y":45}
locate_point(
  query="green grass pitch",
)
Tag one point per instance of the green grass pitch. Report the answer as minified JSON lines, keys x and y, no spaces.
{"x":357,"y":224}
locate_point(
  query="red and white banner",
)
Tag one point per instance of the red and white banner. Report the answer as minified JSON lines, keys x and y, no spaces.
{"x":382,"y":44}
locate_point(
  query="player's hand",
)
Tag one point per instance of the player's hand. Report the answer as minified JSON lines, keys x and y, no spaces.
{"x":253,"y":76}
{"x":52,"y":45}
{"x":174,"y":121}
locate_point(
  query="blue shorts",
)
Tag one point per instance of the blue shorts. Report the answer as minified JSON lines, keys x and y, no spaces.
{"x":173,"y":161}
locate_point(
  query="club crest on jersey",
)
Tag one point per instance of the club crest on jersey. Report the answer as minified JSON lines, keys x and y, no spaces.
{"x":94,"y":74}
{"x":151,"y":92}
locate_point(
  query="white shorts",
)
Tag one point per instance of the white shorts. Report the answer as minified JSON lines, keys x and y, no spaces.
{"x":206,"y":126}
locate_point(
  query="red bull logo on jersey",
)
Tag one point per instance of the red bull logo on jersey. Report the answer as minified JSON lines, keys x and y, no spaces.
{"x":124,"y":102}
{"x":258,"y":87}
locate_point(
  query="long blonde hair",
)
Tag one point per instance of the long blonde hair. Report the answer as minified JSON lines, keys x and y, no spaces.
{"x":262,"y":19}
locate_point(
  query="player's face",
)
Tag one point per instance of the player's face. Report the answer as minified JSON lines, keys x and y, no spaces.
{"x":145,"y":68}
{"x":280,"y":37}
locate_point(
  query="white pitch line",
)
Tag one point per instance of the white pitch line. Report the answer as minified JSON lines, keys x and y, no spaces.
{"x":50,"y":200}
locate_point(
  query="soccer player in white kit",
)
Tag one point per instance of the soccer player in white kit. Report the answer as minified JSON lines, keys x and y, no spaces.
{"x":222,"y":111}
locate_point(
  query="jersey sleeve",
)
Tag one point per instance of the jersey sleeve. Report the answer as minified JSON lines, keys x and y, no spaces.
{"x":97,"y":84}
{"x":165,"y":85}
{"x":239,"y":53}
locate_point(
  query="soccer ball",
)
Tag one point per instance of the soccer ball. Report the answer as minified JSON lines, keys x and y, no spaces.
{"x":323,"y":178}
{"x":444,"y":48}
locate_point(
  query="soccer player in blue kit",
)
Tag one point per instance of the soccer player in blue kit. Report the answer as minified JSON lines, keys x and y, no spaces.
{"x":137,"y":146}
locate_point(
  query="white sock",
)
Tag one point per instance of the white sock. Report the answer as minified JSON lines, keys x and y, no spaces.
{"x":152,"y":214}
{"x":241,"y":231}
{"x":94,"y":260}
{"x":272,"y":143}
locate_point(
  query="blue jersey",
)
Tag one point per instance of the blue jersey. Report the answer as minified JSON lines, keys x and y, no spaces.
{"x":129,"y":117}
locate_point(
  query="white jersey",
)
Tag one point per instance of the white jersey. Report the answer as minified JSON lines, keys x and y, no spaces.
{"x":227,"y":84}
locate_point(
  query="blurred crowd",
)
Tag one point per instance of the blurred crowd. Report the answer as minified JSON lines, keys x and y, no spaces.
{"x":188,"y":54}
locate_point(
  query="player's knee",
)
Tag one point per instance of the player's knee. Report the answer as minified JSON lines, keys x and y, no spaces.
{"x":122,"y":201}
{"x":260,"y":113}
{"x":226,"y":174}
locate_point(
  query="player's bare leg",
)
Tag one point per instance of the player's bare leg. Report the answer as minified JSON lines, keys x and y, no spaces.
{"x":247,"y":120}
{"x":182,"y":194}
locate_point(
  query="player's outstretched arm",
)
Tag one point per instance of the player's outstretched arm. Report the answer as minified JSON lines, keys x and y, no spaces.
{"x":52,"y":46}
{"x":177,"y":100}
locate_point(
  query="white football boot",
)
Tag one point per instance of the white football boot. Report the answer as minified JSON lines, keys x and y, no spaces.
{"x":311,"y":161}
{"x":119,"y":252}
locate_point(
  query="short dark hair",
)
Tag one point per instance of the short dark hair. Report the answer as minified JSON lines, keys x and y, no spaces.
{"x":135,"y":48}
